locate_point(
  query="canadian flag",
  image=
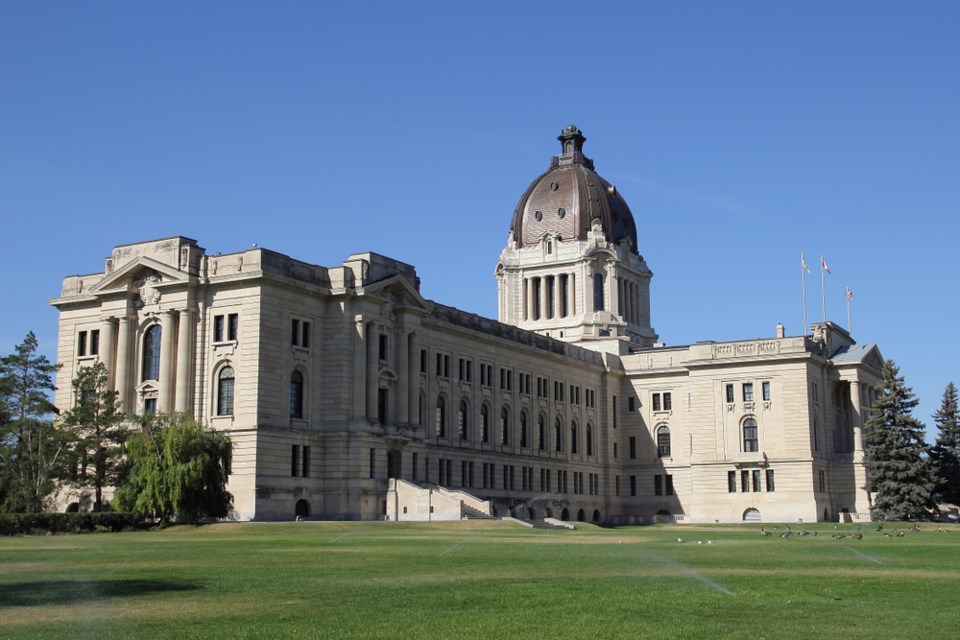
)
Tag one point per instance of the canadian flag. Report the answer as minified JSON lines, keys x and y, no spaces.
{"x":823,"y":265}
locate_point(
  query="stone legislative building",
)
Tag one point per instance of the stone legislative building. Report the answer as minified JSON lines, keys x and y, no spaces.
{"x":347,"y":395}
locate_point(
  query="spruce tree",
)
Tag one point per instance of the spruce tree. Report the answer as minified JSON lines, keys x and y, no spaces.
{"x":945,"y":454}
{"x":98,"y":433}
{"x":898,"y":470}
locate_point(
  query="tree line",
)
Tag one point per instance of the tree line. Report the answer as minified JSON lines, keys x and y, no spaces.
{"x":165,"y":467}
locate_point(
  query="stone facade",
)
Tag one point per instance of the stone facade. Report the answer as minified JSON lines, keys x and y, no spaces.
{"x":331,"y":381}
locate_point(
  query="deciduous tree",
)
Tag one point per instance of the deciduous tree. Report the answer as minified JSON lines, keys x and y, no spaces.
{"x":898,"y":470}
{"x":178,"y":471}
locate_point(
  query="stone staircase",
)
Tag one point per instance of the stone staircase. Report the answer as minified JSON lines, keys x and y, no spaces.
{"x":469,"y":513}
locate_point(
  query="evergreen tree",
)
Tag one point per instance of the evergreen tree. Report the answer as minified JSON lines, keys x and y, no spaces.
{"x":898,"y":471}
{"x":98,"y":433}
{"x":178,"y":471}
{"x":31,"y":445}
{"x":945,"y":454}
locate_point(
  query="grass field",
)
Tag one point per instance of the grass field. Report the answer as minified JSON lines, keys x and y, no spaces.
{"x":479,"y":580}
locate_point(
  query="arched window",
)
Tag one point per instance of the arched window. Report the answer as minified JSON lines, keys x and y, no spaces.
{"x":542,"y":432}
{"x":524,"y":430}
{"x":225,"y":392}
{"x":151,"y":354}
{"x":296,"y":395}
{"x":504,"y":426}
{"x":558,"y":434}
{"x":441,"y":418}
{"x":484,"y":423}
{"x":462,"y":420}
{"x":750,"y":440}
{"x":598,"y":292}
{"x":663,"y":442}
{"x":589,"y":440}
{"x":574,"y":448}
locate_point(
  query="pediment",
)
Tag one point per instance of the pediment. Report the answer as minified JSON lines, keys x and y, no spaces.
{"x":140,"y":269}
{"x":398,"y":290}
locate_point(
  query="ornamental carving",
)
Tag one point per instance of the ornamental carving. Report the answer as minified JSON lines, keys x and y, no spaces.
{"x":147,"y":292}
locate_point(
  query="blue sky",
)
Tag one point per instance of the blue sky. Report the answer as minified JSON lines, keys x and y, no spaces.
{"x":740,"y":134}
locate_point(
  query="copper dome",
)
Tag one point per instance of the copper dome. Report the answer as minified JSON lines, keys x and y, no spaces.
{"x":568,"y":197}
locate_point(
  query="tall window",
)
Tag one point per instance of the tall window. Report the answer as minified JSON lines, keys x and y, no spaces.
{"x":748,"y":392}
{"x":296,"y":395}
{"x":504,"y":426}
{"x":598,"y":292}
{"x":462,"y":417}
{"x":542,"y":433}
{"x":589,"y":440}
{"x":573,"y":437}
{"x":766,"y":391}
{"x":750,"y":435}
{"x":225,"y":392}
{"x":729,"y":393}
{"x":441,"y":418}
{"x":524,"y":430}
{"x":151,"y":354}
{"x":558,"y":435}
{"x":484,"y":423}
{"x":663,"y":442}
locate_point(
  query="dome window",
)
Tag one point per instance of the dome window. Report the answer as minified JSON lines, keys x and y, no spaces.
{"x":561,"y":212}
{"x":554,"y":186}
{"x":538,"y":215}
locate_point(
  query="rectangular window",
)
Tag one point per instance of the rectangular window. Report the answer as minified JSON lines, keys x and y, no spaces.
{"x":668,"y":481}
{"x":745,"y":481}
{"x":766,"y":391}
{"x":633,"y":447}
{"x":614,"y":450}
{"x":656,"y":402}
{"x":732,"y":481}
{"x":373,"y":463}
{"x":823,"y":481}
{"x":756,"y":480}
{"x":95,"y":342}
{"x":414,"y":465}
{"x":614,"y":412}
{"x":748,"y":392}
{"x":294,"y":332}
{"x":294,"y":460}
{"x":667,"y":402}
{"x":150,"y":405}
{"x":464,"y":478}
{"x":616,"y":485}
{"x":658,"y":485}
{"x":770,"y":485}
{"x":382,"y":347}
{"x":305,"y":467}
{"x":631,"y":404}
{"x":729,"y":393}
{"x":305,"y":334}
{"x":82,"y":343}
{"x":218,"y":328}
{"x":233,"y":326}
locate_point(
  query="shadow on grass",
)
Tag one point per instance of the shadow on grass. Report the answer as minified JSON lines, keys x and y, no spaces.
{"x":33,"y":594}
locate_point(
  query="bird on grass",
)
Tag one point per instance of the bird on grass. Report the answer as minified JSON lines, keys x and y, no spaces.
{"x":764,"y":532}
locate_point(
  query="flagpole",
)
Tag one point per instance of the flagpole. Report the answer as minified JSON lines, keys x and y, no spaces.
{"x":823,"y":295}
{"x":803,"y":290}
{"x":848,"y":295}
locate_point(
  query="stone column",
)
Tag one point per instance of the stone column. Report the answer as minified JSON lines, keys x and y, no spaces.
{"x":107,"y":353}
{"x":359,"y":368}
{"x":572,"y":294}
{"x":413,"y":379}
{"x":614,"y":302}
{"x":373,"y":369}
{"x":184,"y":362}
{"x":857,"y":417}
{"x":543,"y":298}
{"x":124,"y":365}
{"x":531,"y":299}
{"x":403,"y":375}
{"x":167,"y":344}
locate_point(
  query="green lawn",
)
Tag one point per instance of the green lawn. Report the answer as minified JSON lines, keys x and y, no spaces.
{"x":479,"y":580}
